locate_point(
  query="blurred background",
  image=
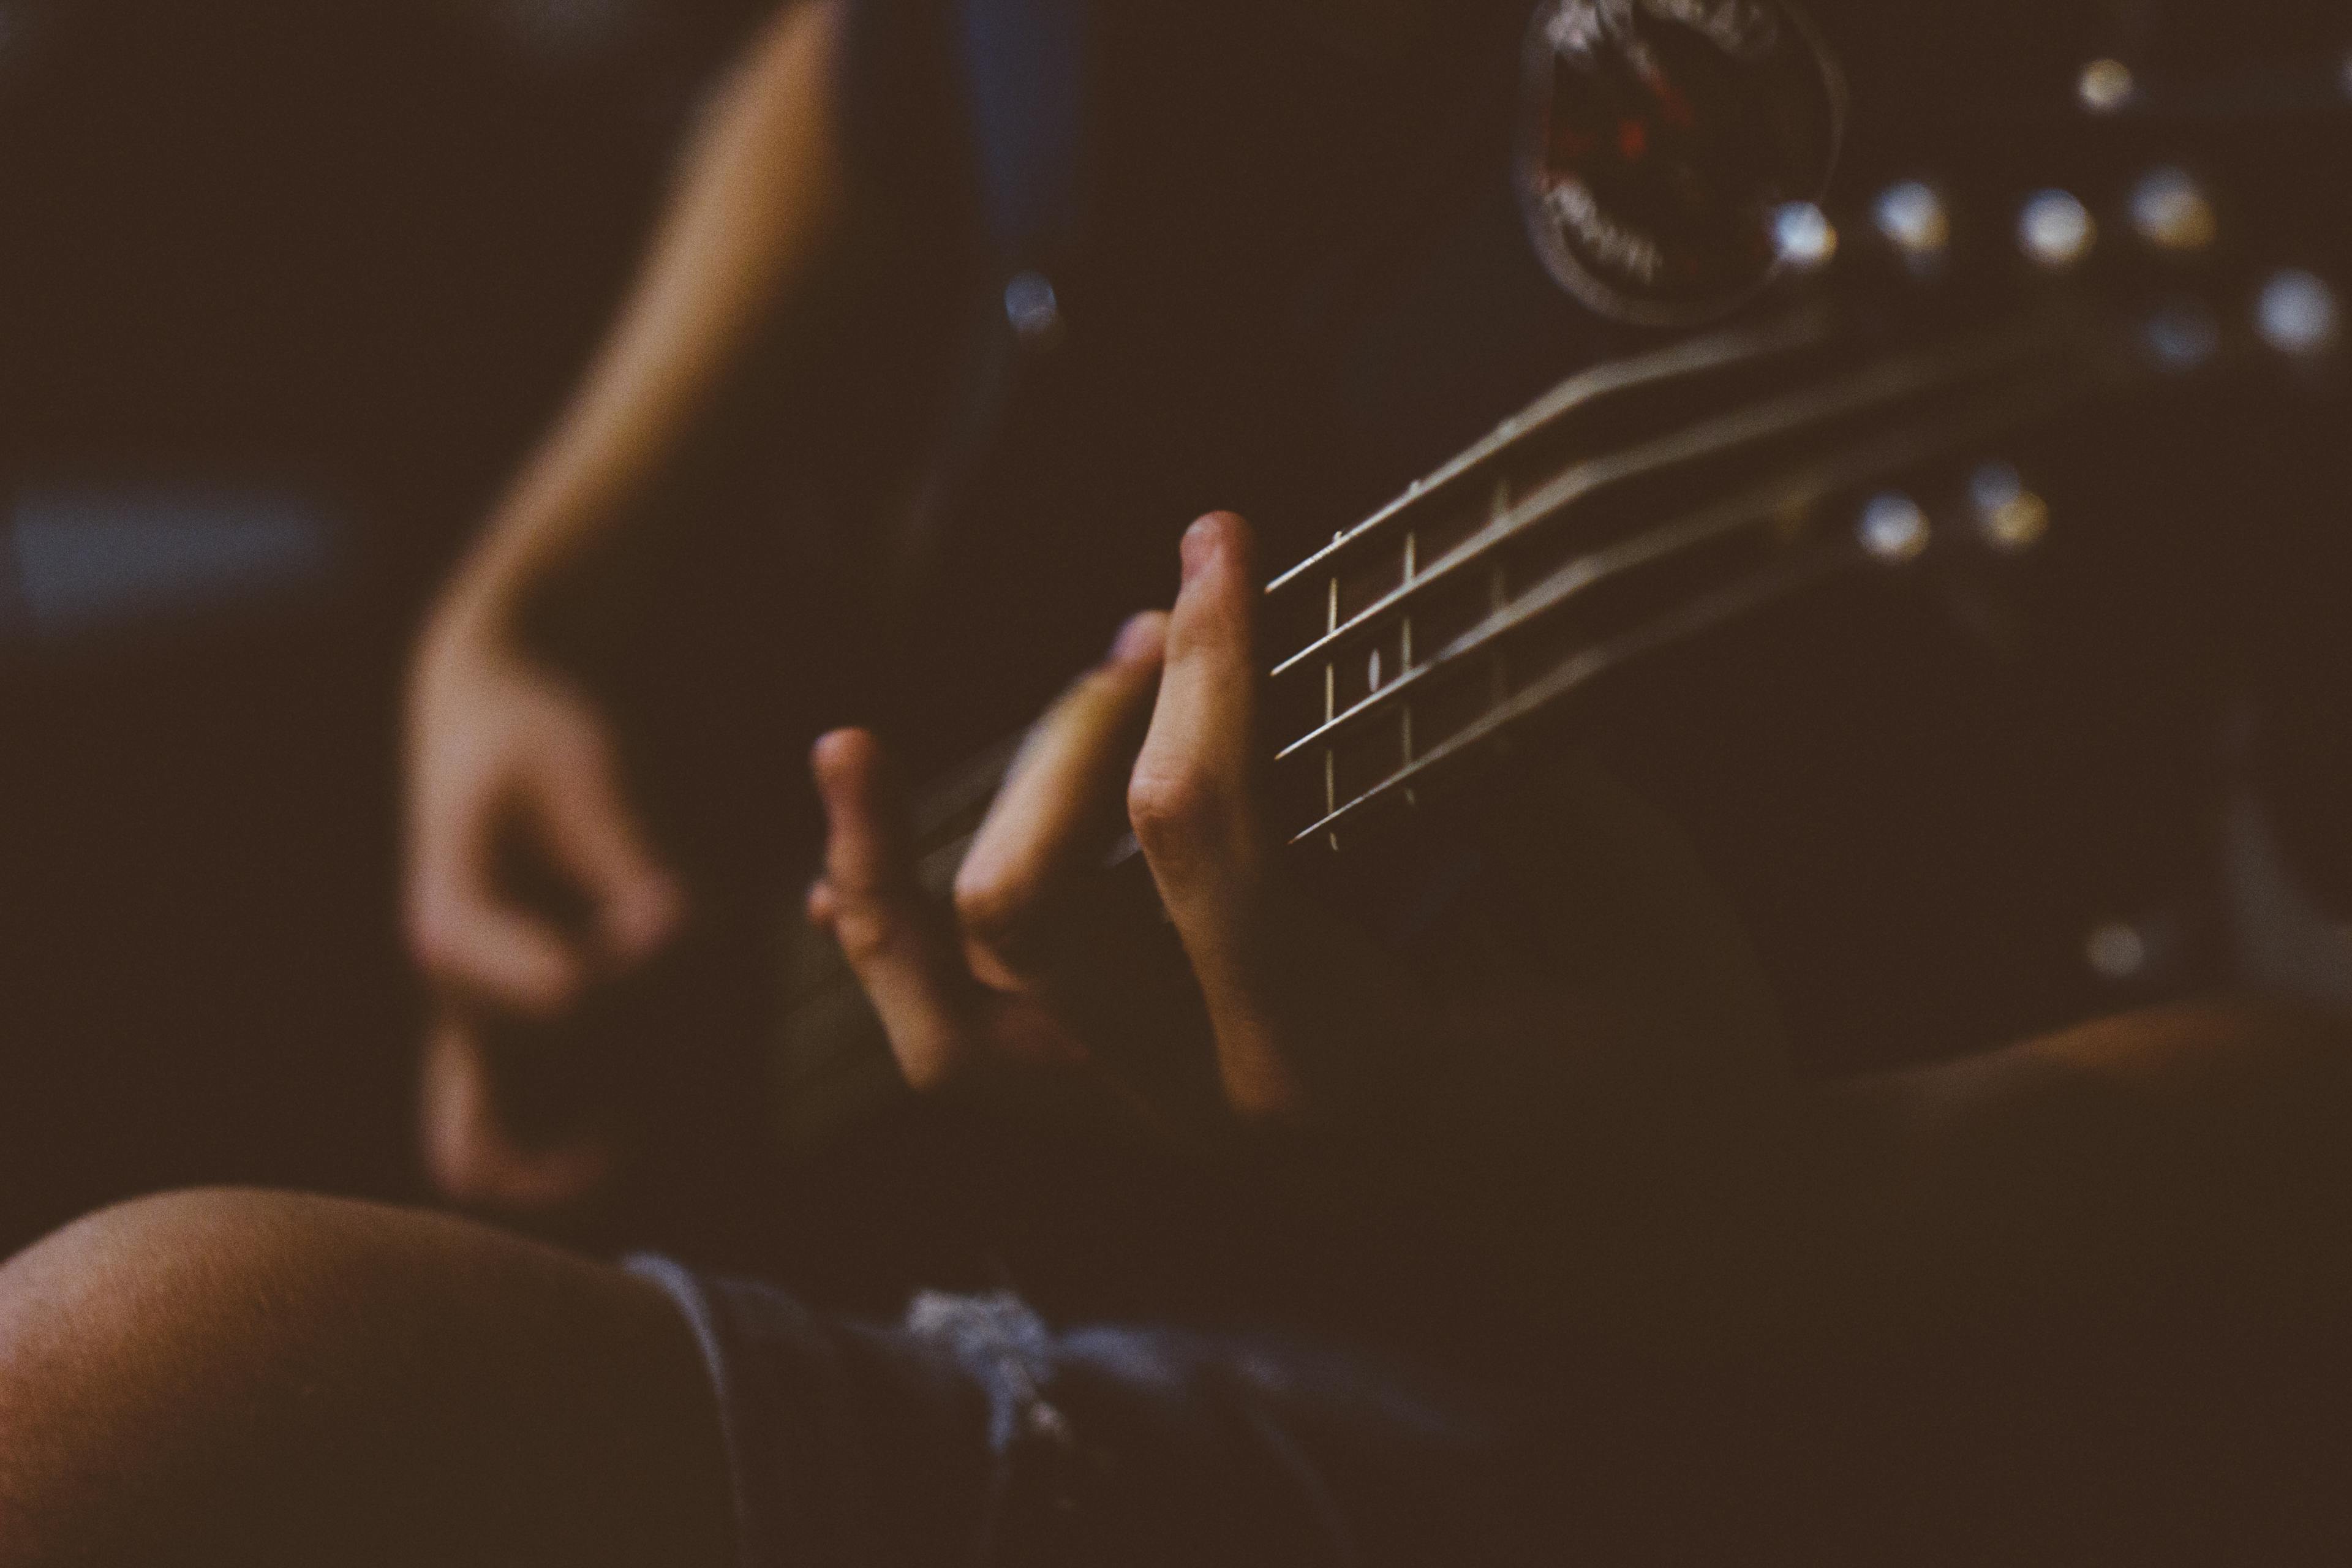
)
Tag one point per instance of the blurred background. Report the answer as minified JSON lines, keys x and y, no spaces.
{"x":285,"y":289}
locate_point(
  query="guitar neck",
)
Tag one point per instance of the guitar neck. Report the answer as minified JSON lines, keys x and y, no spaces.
{"x":1882,"y":417}
{"x":1632,"y":509}
{"x":1636,"y":507}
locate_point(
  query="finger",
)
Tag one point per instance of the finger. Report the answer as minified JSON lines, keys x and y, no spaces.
{"x":1188,"y":797}
{"x":469,"y":1155}
{"x":1195,"y":815}
{"x":1059,"y":803}
{"x":594,"y":837}
{"x":469,"y":941}
{"x":895,"y":941}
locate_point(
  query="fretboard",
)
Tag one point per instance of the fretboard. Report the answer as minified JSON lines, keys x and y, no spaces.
{"x":1891,"y":410}
{"x":1635,"y":507}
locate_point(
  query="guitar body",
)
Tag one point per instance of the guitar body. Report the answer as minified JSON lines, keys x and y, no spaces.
{"x":1903,"y":804}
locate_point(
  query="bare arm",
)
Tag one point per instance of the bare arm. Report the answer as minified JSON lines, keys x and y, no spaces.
{"x":505,"y":754}
{"x":758,"y":213}
{"x":2143,"y":1168}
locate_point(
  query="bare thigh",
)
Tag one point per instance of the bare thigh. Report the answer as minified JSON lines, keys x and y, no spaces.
{"x":265,"y":1380}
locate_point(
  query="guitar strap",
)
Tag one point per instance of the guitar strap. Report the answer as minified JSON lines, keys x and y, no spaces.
{"x":1024,"y":65}
{"x":1009,"y":81}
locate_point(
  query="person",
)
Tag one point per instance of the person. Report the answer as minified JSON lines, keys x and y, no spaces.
{"x":504,"y":745}
{"x":1912,"y":1315}
{"x":1008,"y":292}
{"x":238,"y":1376}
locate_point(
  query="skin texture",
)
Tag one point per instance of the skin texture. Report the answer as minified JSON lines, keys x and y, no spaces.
{"x":2088,"y":1290}
{"x":2078,"y":1299}
{"x":2164,"y":1165}
{"x":956,"y":993}
{"x":238,"y":1378}
{"x":506,"y":753}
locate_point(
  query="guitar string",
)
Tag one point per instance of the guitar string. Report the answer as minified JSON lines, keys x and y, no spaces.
{"x":1806,"y":328}
{"x":1760,"y":504}
{"x":2010,"y":407}
{"x":1876,"y":386}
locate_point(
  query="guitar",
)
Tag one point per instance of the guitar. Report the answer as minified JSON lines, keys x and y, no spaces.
{"x":1916,"y":395}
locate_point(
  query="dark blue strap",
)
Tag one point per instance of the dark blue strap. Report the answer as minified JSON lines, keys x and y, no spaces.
{"x":1025,"y":64}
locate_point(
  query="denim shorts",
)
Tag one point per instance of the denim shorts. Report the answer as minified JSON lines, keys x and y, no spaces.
{"x":971,"y":1433}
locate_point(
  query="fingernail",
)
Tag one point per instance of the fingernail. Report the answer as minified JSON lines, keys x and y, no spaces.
{"x":824,"y":762}
{"x":1201,"y":543}
{"x":1140,"y":639}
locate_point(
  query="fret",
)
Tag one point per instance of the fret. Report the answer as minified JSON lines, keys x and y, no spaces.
{"x":1405,"y":665}
{"x":1587,"y":400}
{"x":1646,"y":503}
{"x":1498,"y":596}
{"x":1331,"y":712}
{"x":1563,"y":568}
{"x":1685,"y":621}
{"x":1777,"y":506}
{"x":1679,"y":462}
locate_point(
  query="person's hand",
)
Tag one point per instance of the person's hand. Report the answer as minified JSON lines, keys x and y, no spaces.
{"x":981,"y":983}
{"x":1583,"y":1125}
{"x":510,"y":766}
{"x":529,"y":883}
{"x":474,"y":1151}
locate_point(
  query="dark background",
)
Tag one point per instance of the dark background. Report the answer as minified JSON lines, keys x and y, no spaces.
{"x":285,"y":290}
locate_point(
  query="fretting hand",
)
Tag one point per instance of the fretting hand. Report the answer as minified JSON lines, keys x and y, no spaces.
{"x":956,"y":991}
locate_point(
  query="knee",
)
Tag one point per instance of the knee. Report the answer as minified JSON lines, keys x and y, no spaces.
{"x":125,"y":1339}
{"x":159,"y":1276}
{"x":121,"y":1282}
{"x":264,"y":1379}
{"x":171,"y":1232}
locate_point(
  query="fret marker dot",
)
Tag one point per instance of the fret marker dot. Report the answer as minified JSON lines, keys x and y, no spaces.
{"x":2171,"y":212}
{"x":1805,"y":235}
{"x":2105,"y":86}
{"x":1893,"y":529}
{"x":1372,"y":671}
{"x":2011,"y":518}
{"x":2297,"y":314}
{"x":2116,"y":952}
{"x":1035,"y":310}
{"x":1913,"y":218}
{"x":2056,"y":230}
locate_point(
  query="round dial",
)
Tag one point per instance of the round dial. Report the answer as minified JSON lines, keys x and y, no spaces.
{"x":1661,"y":139}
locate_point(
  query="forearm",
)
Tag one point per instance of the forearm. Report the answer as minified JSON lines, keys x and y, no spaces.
{"x":744,"y":252}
